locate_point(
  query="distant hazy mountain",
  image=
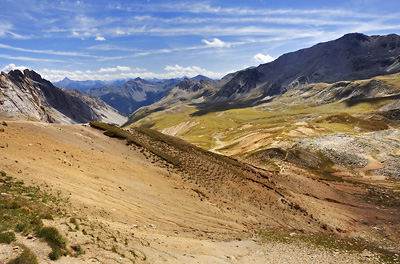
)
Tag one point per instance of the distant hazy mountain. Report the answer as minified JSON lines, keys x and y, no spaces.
{"x":133,"y":94}
{"x":27,"y":94}
{"x":83,"y":86}
{"x":199,"y":78}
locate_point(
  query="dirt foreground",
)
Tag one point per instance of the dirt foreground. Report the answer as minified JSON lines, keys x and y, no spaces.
{"x":130,"y":210}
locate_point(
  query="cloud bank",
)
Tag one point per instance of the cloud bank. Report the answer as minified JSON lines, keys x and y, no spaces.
{"x":263,"y":58}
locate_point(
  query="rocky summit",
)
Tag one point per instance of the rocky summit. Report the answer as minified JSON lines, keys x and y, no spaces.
{"x":352,"y":57}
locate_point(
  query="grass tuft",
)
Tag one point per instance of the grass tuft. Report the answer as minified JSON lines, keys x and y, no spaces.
{"x":7,"y":237}
{"x":54,"y":239}
{"x":27,"y":257}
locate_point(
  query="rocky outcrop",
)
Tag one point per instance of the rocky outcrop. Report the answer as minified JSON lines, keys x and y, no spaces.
{"x":28,"y":94}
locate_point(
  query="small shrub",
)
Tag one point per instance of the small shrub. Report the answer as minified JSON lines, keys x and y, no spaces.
{"x":78,"y":250}
{"x":73,"y":220}
{"x":133,"y":253}
{"x":47,"y":216}
{"x":114,"y":249}
{"x":14,"y":205}
{"x":7,"y":237}
{"x":4,"y":123}
{"x":27,"y":257}
{"x":54,"y":239}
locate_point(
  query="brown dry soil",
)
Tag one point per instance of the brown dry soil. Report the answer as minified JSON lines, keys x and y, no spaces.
{"x":131,"y":207}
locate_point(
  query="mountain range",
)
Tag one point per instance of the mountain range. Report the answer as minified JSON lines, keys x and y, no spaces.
{"x":133,"y":94}
{"x":125,"y":95}
{"x":287,"y":109}
{"x":83,"y":86}
{"x":297,"y":160}
{"x":352,"y":57}
{"x":27,"y":94}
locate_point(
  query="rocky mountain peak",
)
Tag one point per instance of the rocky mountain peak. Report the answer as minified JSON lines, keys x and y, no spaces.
{"x":359,"y":37}
{"x":33,"y":76}
{"x":16,"y":74}
{"x":190,"y":86}
{"x":28,"y":94}
{"x":351,"y":57}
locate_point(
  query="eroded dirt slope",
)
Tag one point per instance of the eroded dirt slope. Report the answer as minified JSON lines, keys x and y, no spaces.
{"x":135,"y":207}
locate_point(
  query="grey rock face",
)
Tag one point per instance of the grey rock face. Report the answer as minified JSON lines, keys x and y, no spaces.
{"x":27,"y":94}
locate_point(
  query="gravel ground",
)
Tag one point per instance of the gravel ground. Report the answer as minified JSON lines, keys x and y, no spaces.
{"x":351,"y":150}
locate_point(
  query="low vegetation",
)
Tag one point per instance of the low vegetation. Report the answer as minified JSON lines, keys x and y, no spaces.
{"x":7,"y":237}
{"x":22,"y":209}
{"x":349,"y":120}
{"x":54,"y":239}
{"x":26,"y":257}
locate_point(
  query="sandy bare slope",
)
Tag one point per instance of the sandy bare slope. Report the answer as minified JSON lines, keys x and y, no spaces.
{"x":134,"y":210}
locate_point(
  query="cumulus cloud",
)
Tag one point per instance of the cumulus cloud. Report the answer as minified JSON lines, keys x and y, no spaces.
{"x":137,"y":69}
{"x":216,"y":43}
{"x":118,"y":68}
{"x":263,"y":58}
{"x":12,"y":66}
{"x":123,"y":72}
{"x":191,"y":71}
{"x":98,"y":38}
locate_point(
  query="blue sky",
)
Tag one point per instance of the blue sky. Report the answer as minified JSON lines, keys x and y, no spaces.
{"x":108,"y":40}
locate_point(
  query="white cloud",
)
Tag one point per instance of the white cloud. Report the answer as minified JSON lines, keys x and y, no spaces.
{"x":263,"y":58}
{"x":216,"y":43}
{"x":140,"y":69}
{"x":121,"y":72}
{"x":179,"y":71}
{"x":12,"y":66}
{"x":50,"y":52}
{"x":98,"y":38}
{"x":118,"y":68}
{"x":27,"y":58}
{"x":5,"y":31}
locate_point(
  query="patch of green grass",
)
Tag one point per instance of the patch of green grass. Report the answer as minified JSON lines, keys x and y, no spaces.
{"x":22,"y":210}
{"x":269,"y":165}
{"x":54,"y":239}
{"x":351,"y":121}
{"x":7,"y":237}
{"x":110,"y":130}
{"x":26,"y":257}
{"x":21,"y":207}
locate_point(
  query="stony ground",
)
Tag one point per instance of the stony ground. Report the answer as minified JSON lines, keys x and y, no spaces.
{"x":129,"y":209}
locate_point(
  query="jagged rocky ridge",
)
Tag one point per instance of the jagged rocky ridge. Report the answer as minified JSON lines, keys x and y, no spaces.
{"x":28,"y":94}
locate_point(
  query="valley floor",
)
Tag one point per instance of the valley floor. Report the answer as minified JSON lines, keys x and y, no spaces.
{"x":129,"y":209}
